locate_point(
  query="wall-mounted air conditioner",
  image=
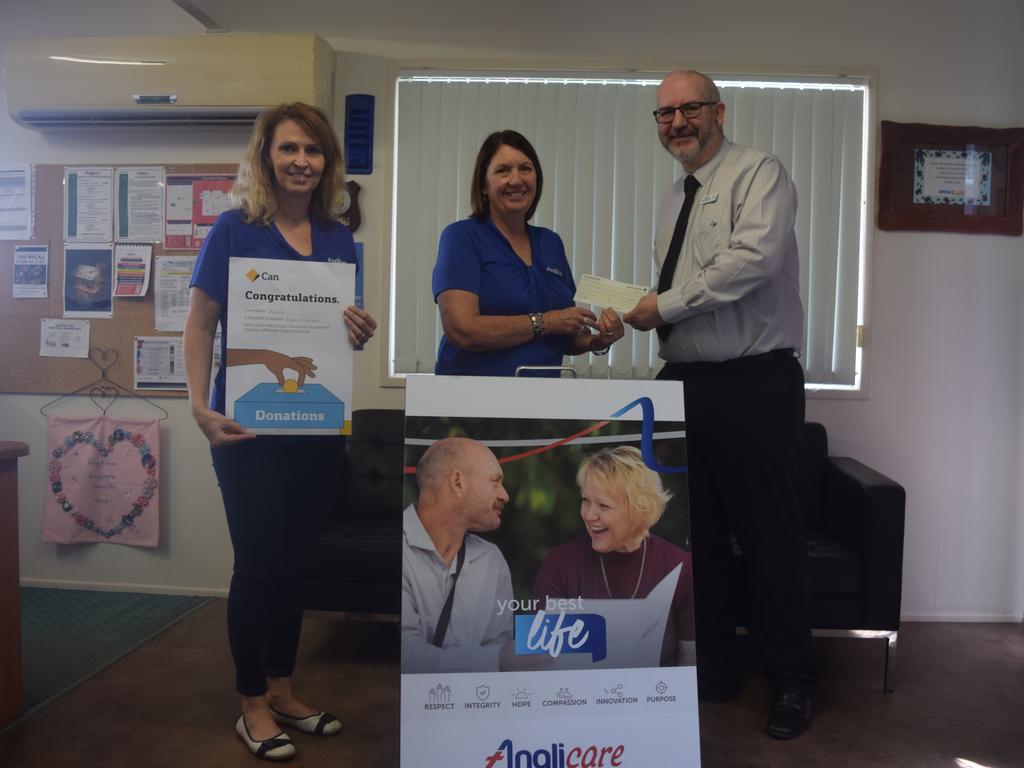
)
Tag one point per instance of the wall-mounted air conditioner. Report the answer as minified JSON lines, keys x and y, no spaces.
{"x":135,"y":81}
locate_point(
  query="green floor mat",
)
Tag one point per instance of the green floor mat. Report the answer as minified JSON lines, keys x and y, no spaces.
{"x":68,"y":635}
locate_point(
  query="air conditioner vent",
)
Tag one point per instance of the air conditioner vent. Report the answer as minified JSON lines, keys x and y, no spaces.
{"x":215,"y":80}
{"x":46,"y":120}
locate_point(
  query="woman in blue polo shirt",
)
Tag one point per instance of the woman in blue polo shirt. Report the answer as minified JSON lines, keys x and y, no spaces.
{"x":504,"y":287}
{"x":276,"y":489}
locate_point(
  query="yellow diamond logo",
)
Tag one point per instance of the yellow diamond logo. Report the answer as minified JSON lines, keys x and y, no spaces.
{"x":252,"y":274}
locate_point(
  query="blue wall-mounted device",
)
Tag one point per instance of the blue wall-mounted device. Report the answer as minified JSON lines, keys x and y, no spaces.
{"x":359,"y":133}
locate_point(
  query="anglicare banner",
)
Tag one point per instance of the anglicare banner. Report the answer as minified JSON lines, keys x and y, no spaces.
{"x":547,"y":591}
{"x":289,"y":360}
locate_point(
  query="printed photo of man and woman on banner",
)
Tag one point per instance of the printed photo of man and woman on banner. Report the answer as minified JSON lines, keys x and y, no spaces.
{"x":546,"y":572}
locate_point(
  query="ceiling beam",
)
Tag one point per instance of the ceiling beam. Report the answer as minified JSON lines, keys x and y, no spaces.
{"x":209,"y":13}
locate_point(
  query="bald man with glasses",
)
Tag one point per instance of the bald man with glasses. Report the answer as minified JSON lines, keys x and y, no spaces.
{"x":730,"y":323}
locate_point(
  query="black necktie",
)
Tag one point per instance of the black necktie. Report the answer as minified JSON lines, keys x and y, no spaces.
{"x":668,"y":269}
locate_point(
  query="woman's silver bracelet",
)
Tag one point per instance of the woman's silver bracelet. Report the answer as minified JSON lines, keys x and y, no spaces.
{"x":537,"y":321}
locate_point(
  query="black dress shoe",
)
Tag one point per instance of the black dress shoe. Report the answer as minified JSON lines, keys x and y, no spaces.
{"x":790,"y":714}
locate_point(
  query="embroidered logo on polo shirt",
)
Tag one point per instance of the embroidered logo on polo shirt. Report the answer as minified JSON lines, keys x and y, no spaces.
{"x":554,"y":271}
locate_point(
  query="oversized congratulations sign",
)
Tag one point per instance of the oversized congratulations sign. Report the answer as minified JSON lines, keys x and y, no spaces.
{"x":289,"y":361}
{"x":103,"y":481}
{"x":562,"y":636}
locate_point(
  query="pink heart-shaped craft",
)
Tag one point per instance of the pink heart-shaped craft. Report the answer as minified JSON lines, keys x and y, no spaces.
{"x":104,"y":449}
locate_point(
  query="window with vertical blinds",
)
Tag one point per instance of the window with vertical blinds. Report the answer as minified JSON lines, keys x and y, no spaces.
{"x":604,"y":170}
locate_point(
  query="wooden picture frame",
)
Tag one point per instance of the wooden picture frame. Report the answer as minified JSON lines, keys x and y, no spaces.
{"x":949,"y":178}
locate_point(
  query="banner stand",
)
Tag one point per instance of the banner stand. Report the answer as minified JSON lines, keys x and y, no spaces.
{"x":547,"y":607}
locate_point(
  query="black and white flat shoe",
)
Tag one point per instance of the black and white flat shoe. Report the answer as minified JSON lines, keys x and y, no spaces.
{"x":318,"y":724}
{"x":275,"y":748}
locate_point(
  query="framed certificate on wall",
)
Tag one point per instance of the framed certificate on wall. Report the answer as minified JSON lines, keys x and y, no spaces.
{"x":951,"y":178}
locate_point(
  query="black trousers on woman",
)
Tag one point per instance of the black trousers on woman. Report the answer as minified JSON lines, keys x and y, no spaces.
{"x":277,"y":491}
{"x":744,"y":422}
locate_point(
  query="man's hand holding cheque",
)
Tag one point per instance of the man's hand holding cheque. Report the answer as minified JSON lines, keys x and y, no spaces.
{"x":644,"y":316}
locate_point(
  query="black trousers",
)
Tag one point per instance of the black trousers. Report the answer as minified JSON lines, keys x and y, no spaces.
{"x":744,"y":422}
{"x":277,"y":491}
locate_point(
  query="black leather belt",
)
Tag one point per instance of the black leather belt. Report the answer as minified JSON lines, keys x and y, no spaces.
{"x":738,"y":363}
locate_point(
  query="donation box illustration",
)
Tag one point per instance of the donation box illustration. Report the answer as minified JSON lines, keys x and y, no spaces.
{"x":312,"y":406}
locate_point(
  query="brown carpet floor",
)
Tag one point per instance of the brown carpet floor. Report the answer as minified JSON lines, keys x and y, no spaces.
{"x":960,"y":695}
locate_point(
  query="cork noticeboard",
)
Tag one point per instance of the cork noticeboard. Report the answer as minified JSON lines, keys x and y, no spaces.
{"x":22,"y":369}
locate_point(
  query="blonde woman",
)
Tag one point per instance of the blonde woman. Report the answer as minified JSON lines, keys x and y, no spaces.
{"x":276,"y":489}
{"x":617,"y":557}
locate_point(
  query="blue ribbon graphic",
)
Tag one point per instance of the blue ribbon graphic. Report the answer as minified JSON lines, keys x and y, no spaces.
{"x":647,"y":435}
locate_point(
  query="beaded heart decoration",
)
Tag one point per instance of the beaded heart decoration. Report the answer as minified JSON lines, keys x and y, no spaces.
{"x":104,"y":449}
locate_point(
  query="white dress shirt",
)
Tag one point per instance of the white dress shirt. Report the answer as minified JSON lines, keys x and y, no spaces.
{"x":736,"y":288}
{"x":476,"y":633}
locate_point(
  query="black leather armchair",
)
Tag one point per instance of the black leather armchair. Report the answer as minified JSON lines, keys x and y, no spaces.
{"x":357,"y":565}
{"x":855,"y":519}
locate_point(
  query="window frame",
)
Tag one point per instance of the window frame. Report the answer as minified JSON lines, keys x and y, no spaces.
{"x":397,"y":68}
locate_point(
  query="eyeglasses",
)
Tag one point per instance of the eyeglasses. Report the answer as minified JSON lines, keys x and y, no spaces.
{"x":690,"y":110}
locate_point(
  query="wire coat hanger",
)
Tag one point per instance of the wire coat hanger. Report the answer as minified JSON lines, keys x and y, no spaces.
{"x":103,"y":391}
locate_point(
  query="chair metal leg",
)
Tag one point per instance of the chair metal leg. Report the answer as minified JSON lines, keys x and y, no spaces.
{"x":890,"y":663}
{"x":890,"y":636}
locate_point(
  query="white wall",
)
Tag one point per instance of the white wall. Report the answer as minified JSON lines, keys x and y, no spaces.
{"x":945,"y":410}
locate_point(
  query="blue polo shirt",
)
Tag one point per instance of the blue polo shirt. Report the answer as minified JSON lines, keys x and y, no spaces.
{"x":474,"y":256}
{"x":231,"y":236}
